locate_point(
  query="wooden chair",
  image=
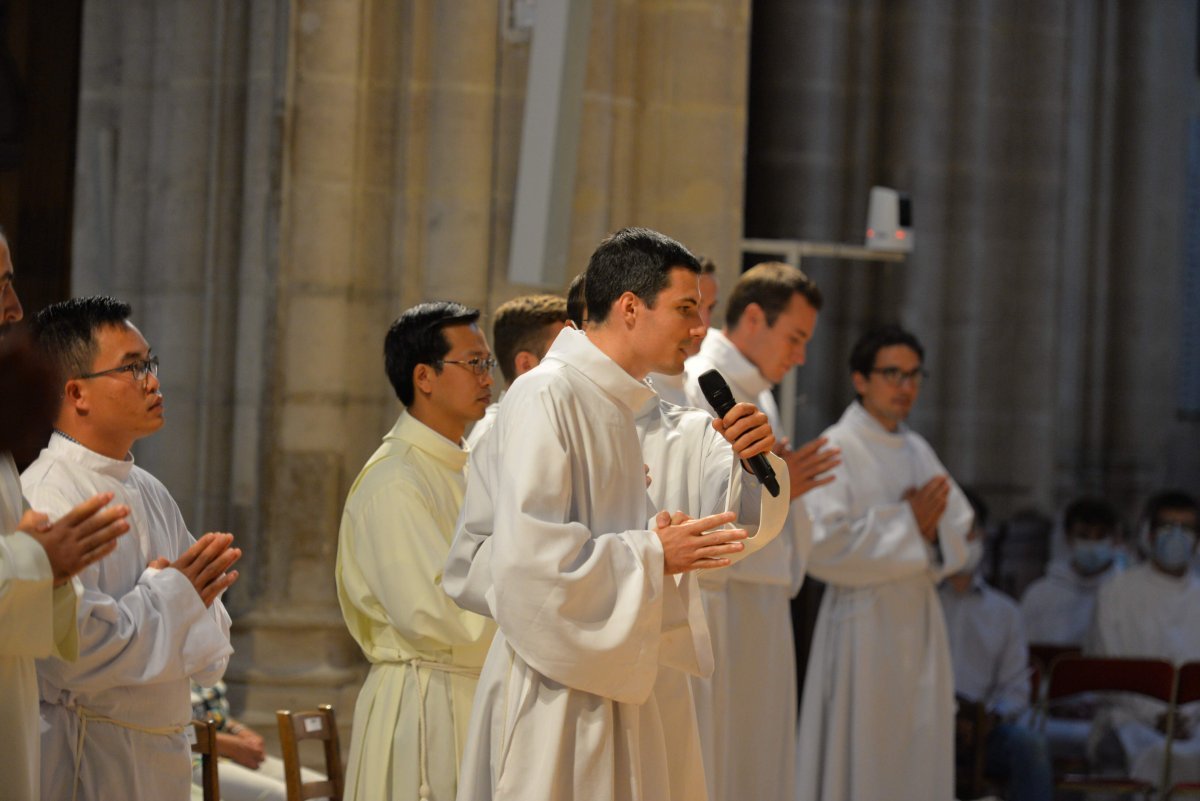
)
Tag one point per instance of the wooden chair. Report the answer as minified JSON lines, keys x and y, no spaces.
{"x":1187,"y":691}
{"x":206,"y":747}
{"x":318,"y":724}
{"x":1073,"y":675}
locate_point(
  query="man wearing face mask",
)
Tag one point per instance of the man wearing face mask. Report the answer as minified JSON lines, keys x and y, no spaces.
{"x":1153,"y":610}
{"x":990,"y":659}
{"x":1058,"y":608}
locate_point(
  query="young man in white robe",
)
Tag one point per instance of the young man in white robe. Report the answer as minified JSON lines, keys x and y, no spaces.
{"x":991,"y":667}
{"x":674,"y":388}
{"x":579,"y":580}
{"x":522,"y":331}
{"x":149,"y":616}
{"x":690,"y":470}
{"x":1152,"y":610}
{"x":410,"y":720}
{"x":1058,"y":607}
{"x":37,"y":557}
{"x":749,"y":727}
{"x":877,"y":716}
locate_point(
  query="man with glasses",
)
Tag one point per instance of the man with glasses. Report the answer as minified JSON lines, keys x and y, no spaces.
{"x":410,"y":721}
{"x":150,"y":618}
{"x":877,"y":718}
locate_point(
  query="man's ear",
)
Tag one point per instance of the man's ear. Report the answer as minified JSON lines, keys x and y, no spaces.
{"x":423,"y":378}
{"x":525,"y":361}
{"x":753,"y":317}
{"x":860,"y":382}
{"x":75,"y":395}
{"x":627,"y":307}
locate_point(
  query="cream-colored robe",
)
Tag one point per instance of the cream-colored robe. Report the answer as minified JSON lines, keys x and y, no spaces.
{"x":877,"y":718}
{"x":396,"y":529}
{"x":143,"y":634}
{"x":37,"y":620}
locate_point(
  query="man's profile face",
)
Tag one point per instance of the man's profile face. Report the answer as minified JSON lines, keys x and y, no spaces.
{"x":887,"y":400}
{"x":708,"y":302}
{"x":10,"y":307}
{"x":118,"y":403}
{"x":665,"y":332}
{"x":456,"y":391}
{"x":777,"y":348}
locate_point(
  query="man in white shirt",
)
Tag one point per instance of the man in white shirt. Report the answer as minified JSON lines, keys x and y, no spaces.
{"x":522,"y":332}
{"x":991,"y":667}
{"x":673,"y":388}
{"x":37,"y":557}
{"x":1058,"y":607}
{"x":879,"y":692}
{"x":1153,"y":610}
{"x":410,"y":721}
{"x":582,"y":589}
{"x":149,"y":614}
{"x":749,"y":727}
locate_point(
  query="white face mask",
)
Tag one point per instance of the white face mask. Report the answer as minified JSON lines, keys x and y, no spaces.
{"x":1092,"y":556}
{"x":974,"y":556}
{"x":1173,"y":546}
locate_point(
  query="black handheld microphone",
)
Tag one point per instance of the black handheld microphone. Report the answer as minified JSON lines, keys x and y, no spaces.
{"x":717,"y":393}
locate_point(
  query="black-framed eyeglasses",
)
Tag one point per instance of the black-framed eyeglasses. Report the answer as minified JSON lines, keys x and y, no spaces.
{"x":140,"y":370}
{"x":478,"y":366}
{"x":897,"y":377}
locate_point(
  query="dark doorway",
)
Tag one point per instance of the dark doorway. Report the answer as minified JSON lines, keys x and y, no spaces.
{"x":39,"y":101}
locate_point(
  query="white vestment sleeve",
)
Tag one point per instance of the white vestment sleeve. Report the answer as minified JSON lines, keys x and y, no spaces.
{"x":159,"y":631}
{"x":582,"y":608}
{"x":880,"y":546}
{"x":468,"y":572}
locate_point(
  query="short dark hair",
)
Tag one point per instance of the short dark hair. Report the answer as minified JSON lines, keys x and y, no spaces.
{"x":707,"y":265}
{"x":1090,"y":511}
{"x":635,"y":260}
{"x":520,"y":325}
{"x":576,"y":302}
{"x":771,"y":286}
{"x":1170,"y":499}
{"x":862,"y":355}
{"x":66,"y":331}
{"x":416,"y":338}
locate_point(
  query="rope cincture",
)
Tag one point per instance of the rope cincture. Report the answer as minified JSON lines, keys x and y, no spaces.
{"x":85,"y":715}
{"x":425,"y":792}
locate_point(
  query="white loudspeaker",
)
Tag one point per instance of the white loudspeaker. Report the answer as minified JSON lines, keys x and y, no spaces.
{"x":889,"y":220}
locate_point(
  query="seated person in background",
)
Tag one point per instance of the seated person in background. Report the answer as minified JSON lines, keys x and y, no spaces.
{"x":1152,"y":610}
{"x":247,"y":772}
{"x":990,"y":657}
{"x":1058,"y":608}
